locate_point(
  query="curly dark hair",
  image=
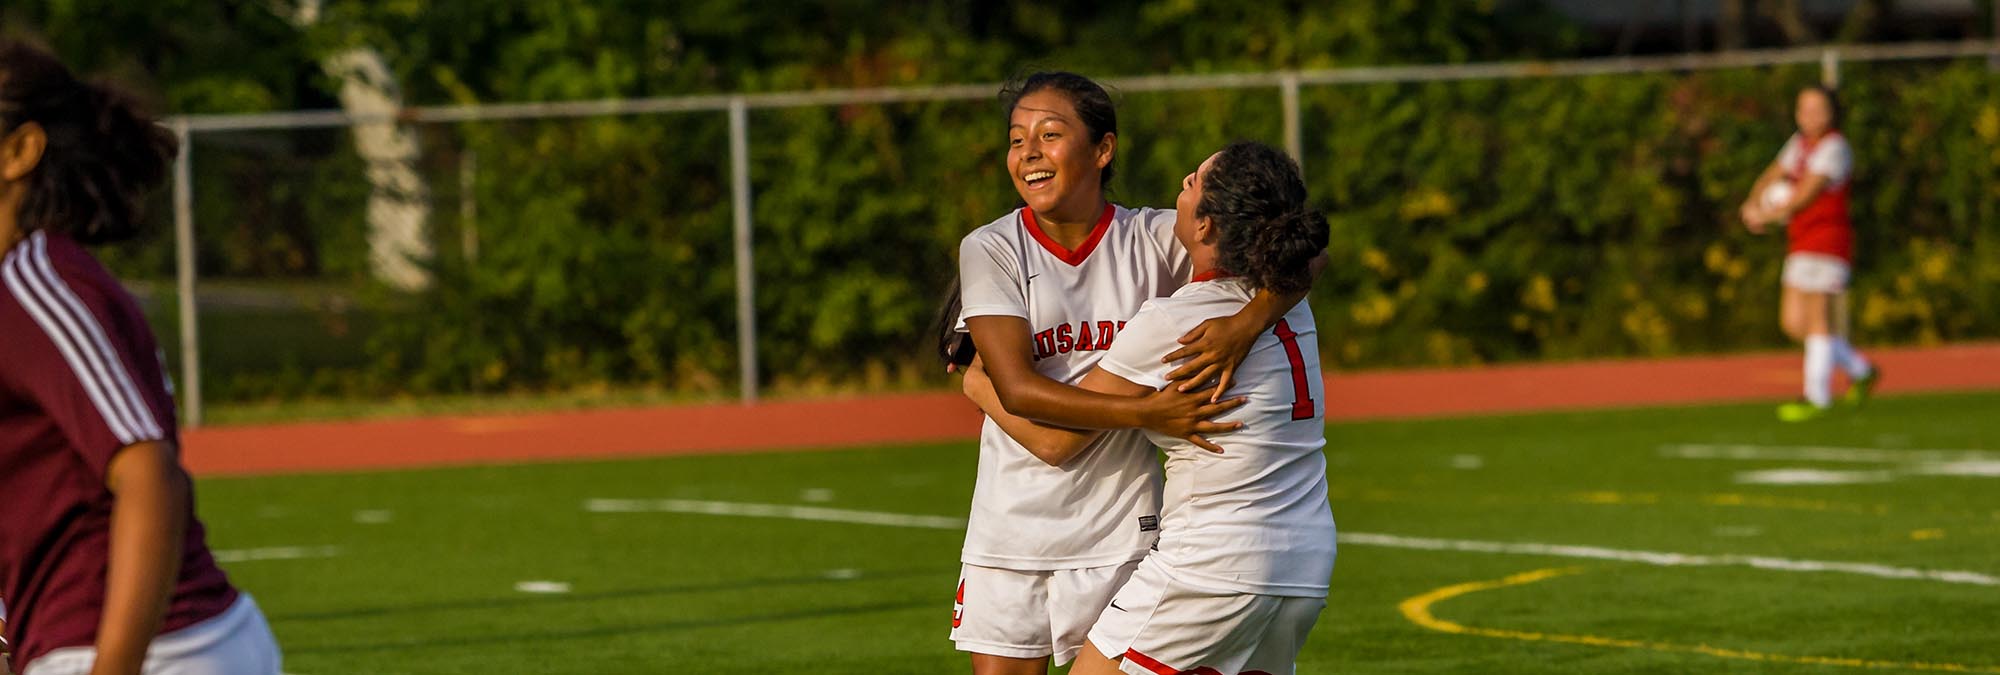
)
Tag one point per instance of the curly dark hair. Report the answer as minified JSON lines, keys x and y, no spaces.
{"x":1256,"y":200}
{"x":1093,"y":103}
{"x":103,"y":155}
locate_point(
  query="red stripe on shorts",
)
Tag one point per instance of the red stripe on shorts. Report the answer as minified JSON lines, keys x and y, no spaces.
{"x":1148,"y":663}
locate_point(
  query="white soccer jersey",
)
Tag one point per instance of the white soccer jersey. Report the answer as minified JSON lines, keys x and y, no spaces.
{"x":1101,"y":508}
{"x":1831,"y":157}
{"x":1255,"y":518}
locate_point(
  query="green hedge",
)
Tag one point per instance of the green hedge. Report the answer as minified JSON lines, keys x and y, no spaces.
{"x":1474,"y":222}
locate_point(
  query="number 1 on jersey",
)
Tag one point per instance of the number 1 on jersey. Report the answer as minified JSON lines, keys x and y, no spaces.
{"x":1302,"y":403}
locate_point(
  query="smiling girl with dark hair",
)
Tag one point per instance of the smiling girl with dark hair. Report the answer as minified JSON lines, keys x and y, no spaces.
{"x":1045,"y":292}
{"x":1246,"y":546}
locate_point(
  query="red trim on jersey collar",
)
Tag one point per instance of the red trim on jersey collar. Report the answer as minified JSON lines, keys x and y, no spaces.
{"x":1211,"y":275}
{"x":1076,"y":257}
{"x":1149,"y":663}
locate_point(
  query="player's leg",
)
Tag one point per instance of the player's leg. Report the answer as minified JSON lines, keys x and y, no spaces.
{"x":1792,"y":311}
{"x":1001,"y":618}
{"x":1076,"y":599}
{"x":1093,"y":662}
{"x":1810,"y":281}
{"x":1818,"y":366}
{"x":1861,"y":373}
{"x":988,"y":664}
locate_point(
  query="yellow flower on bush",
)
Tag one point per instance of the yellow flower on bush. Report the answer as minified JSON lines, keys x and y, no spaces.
{"x":1374,"y":310}
{"x":1540,"y":295}
{"x":1426,"y":202}
{"x":1376,"y":260}
{"x":1475,"y":283}
{"x":1988,"y":124}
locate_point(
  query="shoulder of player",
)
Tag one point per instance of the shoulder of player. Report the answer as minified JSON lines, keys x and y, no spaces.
{"x":50,"y":258}
{"x":996,"y":232}
{"x":48,"y":272}
{"x":1143,"y":218}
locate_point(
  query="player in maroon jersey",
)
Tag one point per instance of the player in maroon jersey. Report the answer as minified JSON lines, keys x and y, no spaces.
{"x":103,"y":566}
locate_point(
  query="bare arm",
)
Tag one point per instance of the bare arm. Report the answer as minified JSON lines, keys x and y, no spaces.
{"x":1807,"y":191}
{"x":1052,"y":444}
{"x":148,"y":522}
{"x":1005,"y":351}
{"x":1752,"y":211}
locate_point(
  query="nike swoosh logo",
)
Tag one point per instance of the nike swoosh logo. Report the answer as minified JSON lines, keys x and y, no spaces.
{"x":1114,"y":605}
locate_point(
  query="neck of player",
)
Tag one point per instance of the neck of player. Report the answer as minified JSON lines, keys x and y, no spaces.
{"x":10,"y":218}
{"x":1071,"y":221}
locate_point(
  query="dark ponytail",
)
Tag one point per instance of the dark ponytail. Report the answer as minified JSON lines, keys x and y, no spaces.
{"x":1254,"y":196}
{"x":953,"y":347}
{"x":103,"y":155}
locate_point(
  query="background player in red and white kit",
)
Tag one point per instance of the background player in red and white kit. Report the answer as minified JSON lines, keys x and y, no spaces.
{"x":1806,"y":189}
{"x":103,"y":566}
{"x":1044,"y":292}
{"x":1246,"y":547}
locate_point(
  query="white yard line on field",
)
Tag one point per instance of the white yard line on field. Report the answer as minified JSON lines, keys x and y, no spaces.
{"x":819,"y":513}
{"x":1822,"y":453}
{"x":1666,"y":559}
{"x":1659,"y":558}
{"x":276,"y":553}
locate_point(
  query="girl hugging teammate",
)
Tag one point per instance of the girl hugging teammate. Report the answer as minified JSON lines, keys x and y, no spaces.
{"x":1246,"y":546}
{"x":1046,"y":293}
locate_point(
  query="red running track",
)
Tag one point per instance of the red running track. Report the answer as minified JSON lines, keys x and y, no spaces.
{"x":729,"y":428}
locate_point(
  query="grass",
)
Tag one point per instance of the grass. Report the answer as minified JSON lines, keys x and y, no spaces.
{"x":432,"y":589}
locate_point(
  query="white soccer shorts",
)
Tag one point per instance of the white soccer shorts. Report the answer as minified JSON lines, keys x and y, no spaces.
{"x":235,"y":642}
{"x":1163,"y":627}
{"x":1028,"y":614}
{"x":1815,"y":272}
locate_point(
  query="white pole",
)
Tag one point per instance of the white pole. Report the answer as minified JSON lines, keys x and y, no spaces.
{"x":746,"y":289}
{"x":1294,"y":139}
{"x":184,"y":273}
{"x":1829,"y":69}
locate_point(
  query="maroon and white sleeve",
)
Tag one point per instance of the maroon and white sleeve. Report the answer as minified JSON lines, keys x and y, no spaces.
{"x":67,"y":355}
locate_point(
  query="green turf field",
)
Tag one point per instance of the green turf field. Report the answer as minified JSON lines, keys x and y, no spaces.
{"x":423,"y":571}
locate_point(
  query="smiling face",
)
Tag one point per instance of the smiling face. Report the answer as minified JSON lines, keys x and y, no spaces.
{"x":1814,"y":113}
{"x":1056,"y":166}
{"x":1187,"y":227}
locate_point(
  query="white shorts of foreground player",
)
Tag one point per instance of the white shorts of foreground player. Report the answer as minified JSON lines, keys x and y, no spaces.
{"x":235,"y":642}
{"x":1028,"y":614}
{"x":1162,"y":626}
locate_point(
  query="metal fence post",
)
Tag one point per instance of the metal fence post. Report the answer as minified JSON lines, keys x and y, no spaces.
{"x":1294,"y":138}
{"x":184,"y":272}
{"x":468,"y":205}
{"x":1829,"y":69}
{"x":746,"y":278}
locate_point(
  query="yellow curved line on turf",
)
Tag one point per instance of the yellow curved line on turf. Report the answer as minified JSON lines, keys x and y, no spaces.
{"x":1418,"y":611}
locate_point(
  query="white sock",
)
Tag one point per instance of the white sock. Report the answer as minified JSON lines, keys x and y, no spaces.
{"x":1819,"y":370}
{"x":1849,"y":359}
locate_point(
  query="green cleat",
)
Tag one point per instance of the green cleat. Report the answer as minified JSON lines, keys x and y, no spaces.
{"x":1860,"y":388}
{"x":1800,"y":412}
